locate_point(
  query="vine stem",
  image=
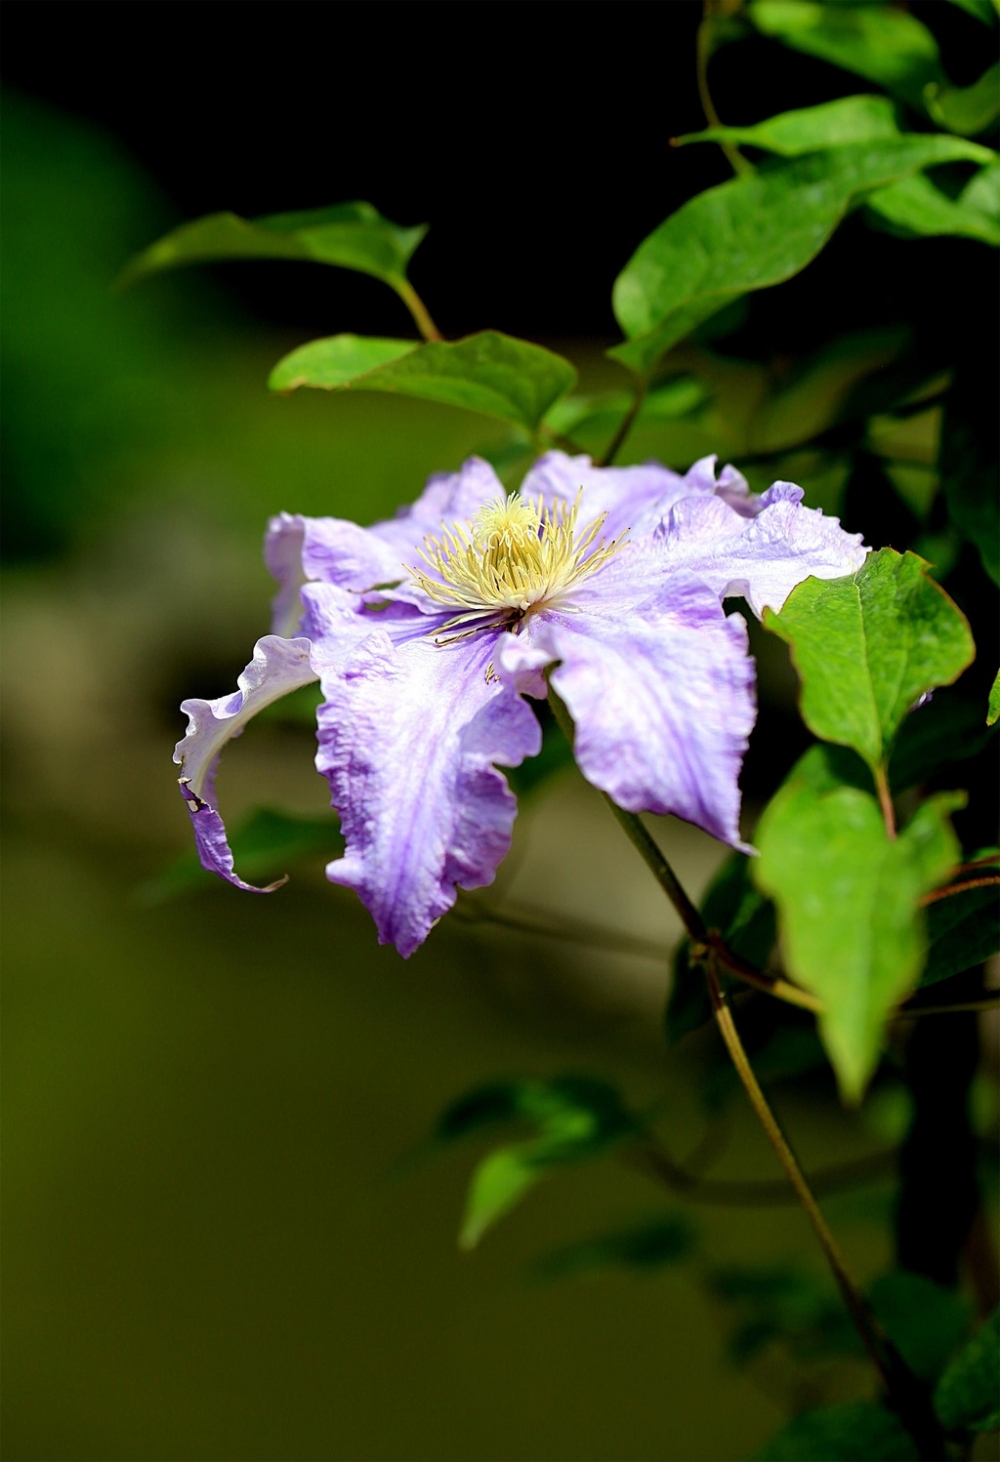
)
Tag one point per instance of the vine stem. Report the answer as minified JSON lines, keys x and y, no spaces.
{"x":901,"y":1385}
{"x":885,"y":801}
{"x":626,"y":424}
{"x":419,"y":311}
{"x":734,"y":157}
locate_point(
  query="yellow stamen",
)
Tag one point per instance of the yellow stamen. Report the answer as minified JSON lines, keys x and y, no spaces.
{"x":512,"y":558}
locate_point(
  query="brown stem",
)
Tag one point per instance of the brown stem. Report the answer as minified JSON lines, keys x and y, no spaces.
{"x":625,"y":426}
{"x":901,"y":1385}
{"x":953,"y":888}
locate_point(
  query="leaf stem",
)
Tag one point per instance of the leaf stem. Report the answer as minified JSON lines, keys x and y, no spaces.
{"x":901,"y":1385}
{"x":419,"y":311}
{"x":885,"y":801}
{"x":734,"y":157}
{"x":953,"y":888}
{"x":626,"y":424}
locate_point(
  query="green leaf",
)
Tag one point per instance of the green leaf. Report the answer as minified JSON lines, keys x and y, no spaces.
{"x":926,"y":1322}
{"x":968,"y":110}
{"x":868,"y":646}
{"x":982,"y":192}
{"x":963,"y":930}
{"x":966,"y":1395}
{"x":350,"y":235}
{"x":576,"y":1118}
{"x":491,"y":373}
{"x":754,"y":232}
{"x":993,"y":710}
{"x":916,"y":208}
{"x":848,"y":901}
{"x":746,"y":920}
{"x":651,"y":1245}
{"x":810,"y":129}
{"x":266,"y":843}
{"x":885,"y":45}
{"x":853,"y":1431}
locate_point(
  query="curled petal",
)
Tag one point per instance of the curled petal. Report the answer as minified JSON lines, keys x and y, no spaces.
{"x":661,"y":689}
{"x":278,"y":666}
{"x":410,"y":737}
{"x":762,"y":558}
{"x":283,"y":544}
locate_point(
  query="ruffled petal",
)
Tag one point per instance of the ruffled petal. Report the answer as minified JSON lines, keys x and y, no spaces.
{"x":278,"y":666}
{"x":661,"y":689}
{"x":761,"y":558}
{"x":410,"y":736}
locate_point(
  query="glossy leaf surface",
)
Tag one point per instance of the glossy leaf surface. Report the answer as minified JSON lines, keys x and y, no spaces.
{"x":753,"y":232}
{"x":868,"y":646}
{"x":916,"y":208}
{"x":350,"y":235}
{"x":491,"y":373}
{"x":848,"y":902}
{"x":810,"y":129}
{"x":962,"y":930}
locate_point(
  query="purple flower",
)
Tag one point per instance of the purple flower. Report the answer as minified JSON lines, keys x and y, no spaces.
{"x":428,"y":631}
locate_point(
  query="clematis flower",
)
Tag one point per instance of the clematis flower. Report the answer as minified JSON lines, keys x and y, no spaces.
{"x":430,"y":633}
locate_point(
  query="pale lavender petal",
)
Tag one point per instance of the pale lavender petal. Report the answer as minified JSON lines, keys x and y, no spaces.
{"x":661,"y":689}
{"x":283,"y":543}
{"x":731,"y":486}
{"x":278,"y":666}
{"x":762,"y":558}
{"x":629,"y":495}
{"x":410,"y":737}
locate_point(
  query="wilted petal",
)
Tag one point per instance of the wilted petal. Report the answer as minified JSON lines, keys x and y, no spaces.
{"x":762,"y":558}
{"x":278,"y":666}
{"x":408,"y":737}
{"x":660,"y":686}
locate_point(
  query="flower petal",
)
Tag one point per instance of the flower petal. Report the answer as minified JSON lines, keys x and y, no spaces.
{"x":764,"y":557}
{"x":283,"y":543}
{"x":409,"y":737}
{"x":278,"y":666}
{"x":660,"y":686}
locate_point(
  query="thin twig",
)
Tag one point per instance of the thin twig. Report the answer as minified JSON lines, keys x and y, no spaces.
{"x":953,"y":888}
{"x":734,"y":157}
{"x":885,"y":801}
{"x":901,"y":1385}
{"x":625,"y":426}
{"x":419,"y":311}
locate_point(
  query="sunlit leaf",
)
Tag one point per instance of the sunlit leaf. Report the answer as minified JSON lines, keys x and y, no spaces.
{"x":754,"y":232}
{"x":883,"y":44}
{"x":664,"y":1240}
{"x":993,"y":710}
{"x":853,"y":1431}
{"x":926,"y":1322}
{"x":266,"y":844}
{"x":916,"y":208}
{"x":848,"y":900}
{"x":983,"y":10}
{"x":868,"y":646}
{"x":963,"y":930}
{"x":491,"y":373}
{"x":810,"y":129}
{"x":350,"y":235}
{"x":966,"y":1395}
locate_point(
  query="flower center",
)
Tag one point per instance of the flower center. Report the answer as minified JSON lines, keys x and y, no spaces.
{"x":512,"y":557}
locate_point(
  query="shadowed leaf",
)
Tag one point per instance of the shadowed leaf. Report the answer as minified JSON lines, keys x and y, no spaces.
{"x":966,"y":1394}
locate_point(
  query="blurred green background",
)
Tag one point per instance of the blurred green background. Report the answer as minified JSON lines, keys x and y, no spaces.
{"x":222,"y":1239}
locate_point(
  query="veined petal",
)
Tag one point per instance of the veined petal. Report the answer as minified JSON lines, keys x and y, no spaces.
{"x":661,"y":689}
{"x":410,"y":736}
{"x":278,"y":666}
{"x":762,"y":558}
{"x":634,"y":498}
{"x":283,"y":555}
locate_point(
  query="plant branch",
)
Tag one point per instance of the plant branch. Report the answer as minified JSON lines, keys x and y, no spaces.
{"x":902,"y":1387}
{"x":722,"y":1192}
{"x":953,"y":888}
{"x":885,"y":801}
{"x":419,"y":311}
{"x":703,"y":51}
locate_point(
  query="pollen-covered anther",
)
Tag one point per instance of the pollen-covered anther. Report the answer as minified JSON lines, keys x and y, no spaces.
{"x":512,"y":558}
